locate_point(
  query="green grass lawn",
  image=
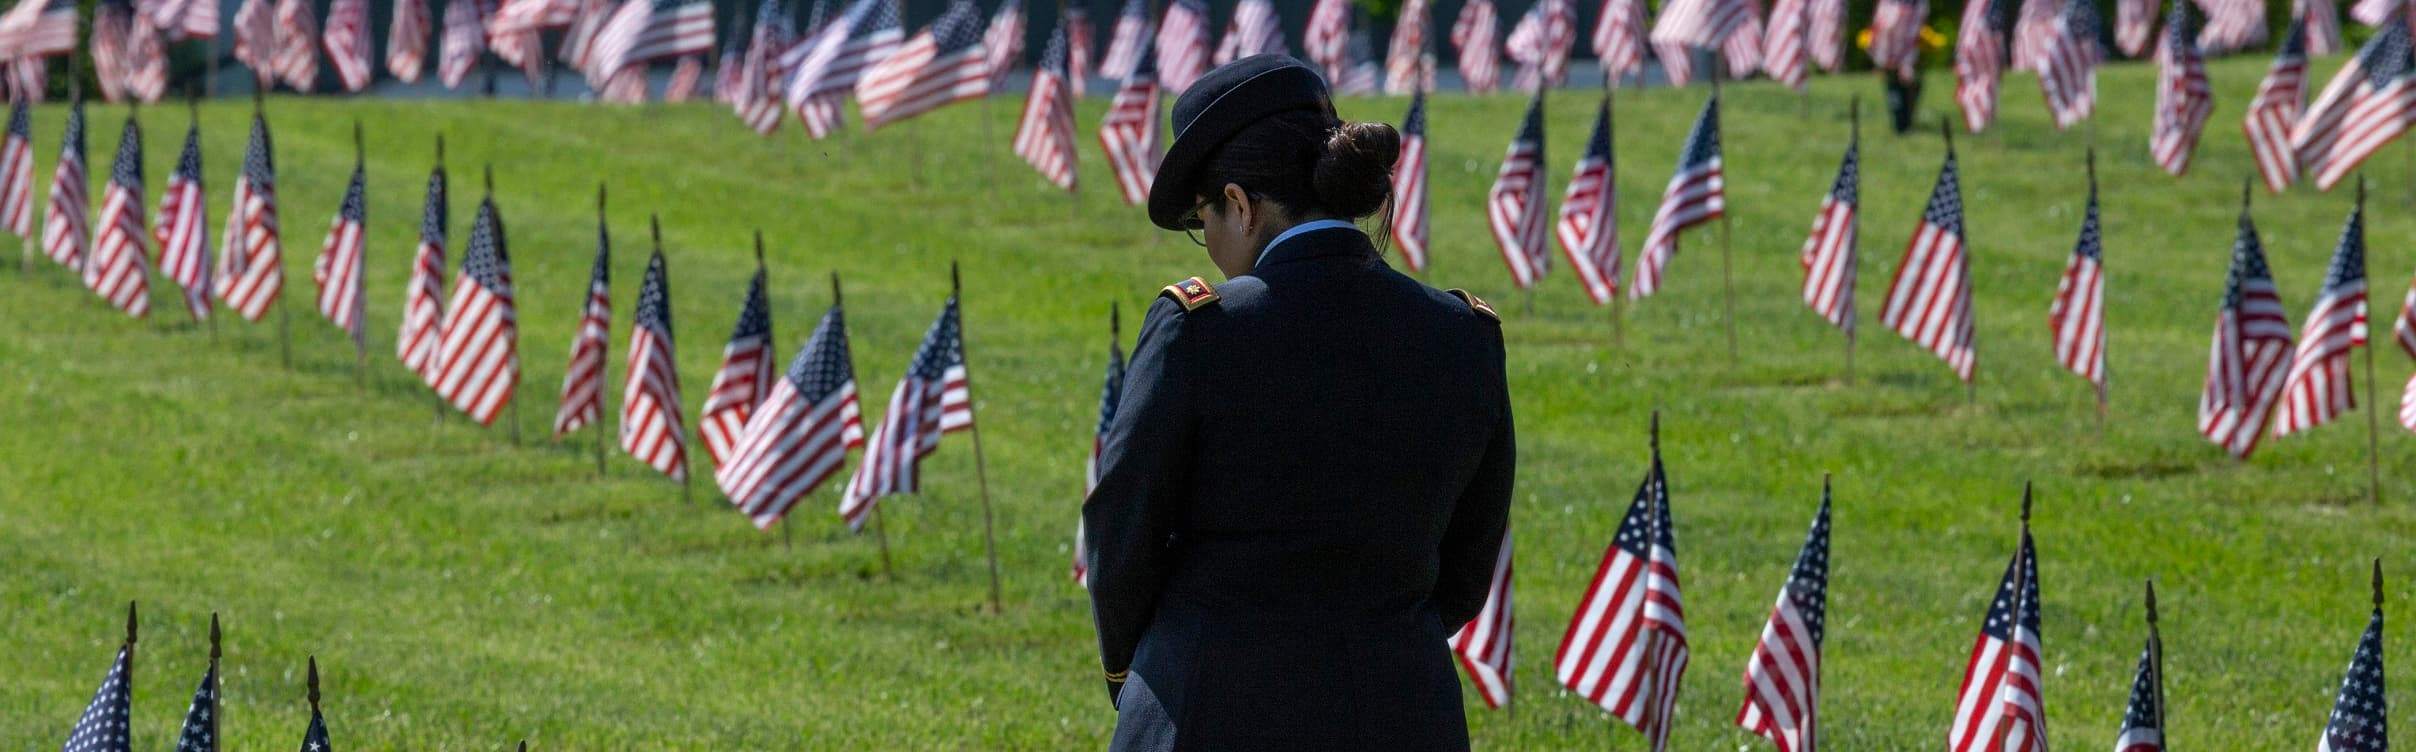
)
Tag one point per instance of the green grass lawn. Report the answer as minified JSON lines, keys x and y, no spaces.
{"x":462,"y":591}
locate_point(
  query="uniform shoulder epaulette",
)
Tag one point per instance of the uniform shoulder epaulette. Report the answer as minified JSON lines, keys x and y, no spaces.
{"x":1476,"y":303}
{"x":1193,"y":293}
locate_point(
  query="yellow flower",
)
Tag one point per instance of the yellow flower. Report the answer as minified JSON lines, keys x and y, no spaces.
{"x":1931,"y":40}
{"x":1863,"y":40}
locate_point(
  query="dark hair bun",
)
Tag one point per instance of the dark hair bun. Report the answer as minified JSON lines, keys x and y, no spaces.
{"x":1355,"y":168}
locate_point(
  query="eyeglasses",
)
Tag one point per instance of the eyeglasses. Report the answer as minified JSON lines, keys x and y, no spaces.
{"x":1193,"y":225}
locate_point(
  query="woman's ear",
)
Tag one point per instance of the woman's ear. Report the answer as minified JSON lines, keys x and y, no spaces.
{"x":1239,"y":200}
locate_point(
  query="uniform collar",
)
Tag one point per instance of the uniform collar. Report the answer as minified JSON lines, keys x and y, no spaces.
{"x":1298,"y":230}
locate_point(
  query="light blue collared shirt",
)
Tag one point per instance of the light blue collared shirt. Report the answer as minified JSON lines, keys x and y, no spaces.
{"x":1304,"y":227}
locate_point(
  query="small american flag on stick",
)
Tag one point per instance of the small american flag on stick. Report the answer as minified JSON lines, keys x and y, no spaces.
{"x":1474,"y":33}
{"x":2143,"y":718}
{"x":1109,"y":395}
{"x":2000,"y":707}
{"x":1327,"y":32}
{"x":1182,"y":43}
{"x":746,"y":373}
{"x":801,"y":434}
{"x":1588,"y":228}
{"x":17,"y":172}
{"x":465,"y":39}
{"x":2360,"y":717}
{"x":2323,"y":24}
{"x":338,"y":270}
{"x":1930,"y":300}
{"x":939,"y":66}
{"x":2405,"y":332}
{"x":1408,"y":66}
{"x":1896,"y":35}
{"x":651,"y":426}
{"x":38,"y":28}
{"x":423,"y":299}
{"x":1783,"y":50}
{"x":1254,"y":30}
{"x":1696,"y":195}
{"x":1831,"y":254}
{"x":1516,"y":205}
{"x":1130,"y":133}
{"x":2251,"y":348}
{"x":1409,"y":186}
{"x":2317,"y":387}
{"x":1044,"y":136}
{"x":255,"y":40}
{"x":1002,"y":42}
{"x":2068,"y":68}
{"x":1980,"y":61}
{"x":1626,"y":645}
{"x":103,"y":726}
{"x":2368,"y":104}
{"x":182,"y":228}
{"x":65,"y":220}
{"x":934,"y":398}
{"x":1619,"y":38}
{"x":251,"y":269}
{"x":2134,"y":21}
{"x":297,"y":60}
{"x":1483,"y":644}
{"x":1127,"y":42}
{"x":2274,"y":112}
{"x":583,"y":379}
{"x":1782,"y":680}
{"x":407,"y":40}
{"x":347,"y":41}
{"x":481,"y":346}
{"x":2078,"y":315}
{"x":2183,"y":97}
{"x":120,"y":268}
{"x":200,"y":732}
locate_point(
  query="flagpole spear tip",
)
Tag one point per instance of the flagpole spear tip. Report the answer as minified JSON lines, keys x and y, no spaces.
{"x":2151,"y":601}
{"x":214,"y":636}
{"x":835,"y":287}
{"x":2377,"y":586}
{"x":1656,"y":431}
{"x":599,"y":198}
{"x":654,"y":223}
{"x":313,"y":681}
{"x":132,"y":622}
{"x":1115,"y":320}
{"x":2025,"y":503}
{"x":524,"y":745}
{"x":956,"y":284}
{"x":359,"y":150}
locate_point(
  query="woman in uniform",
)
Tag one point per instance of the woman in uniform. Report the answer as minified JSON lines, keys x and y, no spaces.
{"x":1310,"y":472}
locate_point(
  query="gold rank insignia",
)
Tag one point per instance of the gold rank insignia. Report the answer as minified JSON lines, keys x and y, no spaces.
{"x":1193,"y":293}
{"x":1474,"y":302}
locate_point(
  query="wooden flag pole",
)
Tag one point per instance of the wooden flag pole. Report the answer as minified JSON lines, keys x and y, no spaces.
{"x":787,"y":535}
{"x":2156,"y":663}
{"x":285,"y":318}
{"x":490,"y":197}
{"x":1971,"y":386}
{"x":360,"y":339}
{"x":193,"y":113}
{"x":956,"y":289}
{"x":1611,"y":125}
{"x":216,"y":682}
{"x":1652,"y":637}
{"x":654,"y":224}
{"x":2101,"y":384}
{"x":131,"y":622}
{"x":2373,"y":424}
{"x":880,"y":532}
{"x":434,"y":397}
{"x":312,"y":681}
{"x":1854,"y":227}
{"x":1727,"y":266}
{"x":602,"y":372}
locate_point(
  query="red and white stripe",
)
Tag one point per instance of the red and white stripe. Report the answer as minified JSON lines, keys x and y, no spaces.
{"x":256,"y":40}
{"x":251,"y":267}
{"x":464,"y":40}
{"x":583,"y":379}
{"x":297,"y":60}
{"x":2274,"y":112}
{"x":795,"y":441}
{"x":2317,"y":387}
{"x":120,"y":268}
{"x":182,"y":229}
{"x":1696,"y":194}
{"x":933,"y":399}
{"x":2183,"y":100}
{"x":347,"y":42}
{"x":338,"y":269}
{"x":2357,"y":115}
{"x":1327,"y":33}
{"x":146,"y":61}
{"x":2231,"y":25}
{"x":1831,"y":255}
{"x":2000,"y":708}
{"x":2134,"y":22}
{"x":652,"y":429}
{"x":1515,"y":207}
{"x":423,"y":298}
{"x":2405,"y":331}
{"x":1541,"y":41}
{"x":744,"y":379}
{"x":481,"y":346}
{"x":1896,"y":33}
{"x":1929,"y":302}
{"x":1183,"y":43}
{"x":2323,"y":24}
{"x":2068,"y":72}
{"x":1626,"y":647}
{"x":1044,"y":135}
{"x":686,"y":76}
{"x":111,"y":23}
{"x":1483,"y":644}
{"x":1127,"y":42}
{"x":2077,"y":318}
{"x":2249,"y":355}
{"x":1254,"y":30}
{"x":1588,"y":228}
{"x":1474,"y":33}
{"x":1409,"y":222}
{"x":1130,"y":133}
{"x":933,"y":69}
{"x":17,"y":172}
{"x":66,"y":231}
{"x":1619,"y":38}
{"x":1408,"y":66}
{"x":1002,"y":42}
{"x":407,"y":40}
{"x":1784,"y":49}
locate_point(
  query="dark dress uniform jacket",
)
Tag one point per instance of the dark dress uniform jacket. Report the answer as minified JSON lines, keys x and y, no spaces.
{"x":1304,"y":491}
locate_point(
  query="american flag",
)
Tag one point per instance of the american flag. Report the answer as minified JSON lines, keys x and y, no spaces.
{"x":200,"y":732}
{"x":17,"y":172}
{"x":934,"y":398}
{"x":2374,"y":12}
{"x":652,"y":429}
{"x":801,"y":434}
{"x":1626,"y":645}
{"x":1329,"y":28}
{"x":686,"y":76}
{"x":2368,"y":104}
{"x":146,"y":61}
{"x":1743,"y":50}
{"x":1130,"y":132}
{"x":338,"y":270}
{"x":2232,"y":25}
{"x":347,"y":42}
{"x":1044,"y":136}
{"x":1360,"y":76}
{"x":1896,"y":34}
{"x":110,"y":22}
{"x":760,"y":76}
{"x":120,"y":268}
{"x":1980,"y":61}
{"x":2405,"y":332}
{"x":1696,"y":195}
{"x":2275,"y":111}
{"x":2001,"y":706}
{"x":1128,"y":42}
{"x":24,"y":78}
{"x":1619,"y":38}
{"x":2068,"y":69}
{"x":1588,"y":227}
{"x":1409,"y":186}
{"x":2359,"y":717}
{"x":2036,"y":22}
{"x":182,"y":228}
{"x":1830,"y":256}
{"x":1182,"y":43}
{"x":2078,"y":315}
{"x":579,"y":41}
{"x":407,"y":40}
{"x":940,"y":66}
{"x":1473,"y":34}
{"x":2317,"y":387}
{"x":2143,"y":719}
{"x":250,"y":270}
{"x":1002,"y":42}
{"x":583,"y":379}
{"x":1515,"y":207}
{"x":256,"y":40}
{"x":1254,"y":30}
{"x":38,"y":28}
{"x":1108,"y":396}
{"x":2323,"y":25}
{"x":1782,"y":680}
{"x":745,"y":377}
{"x":626,"y":86}
{"x":2251,"y":350}
{"x":1930,"y":300}
{"x":1825,"y":39}
{"x":2134,"y":21}
{"x":66,"y":231}
{"x":643,"y":31}
{"x":2183,"y":96}
{"x":297,"y":60}
{"x":103,"y":726}
{"x":1078,"y":47}
{"x":314,"y":738}
{"x":465,"y":39}
{"x":1540,"y":43}
{"x":423,"y":301}
{"x":1483,"y":644}
{"x":480,"y":351}
{"x":1408,"y":66}
{"x":828,"y":63}
{"x":1784,"y":49}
